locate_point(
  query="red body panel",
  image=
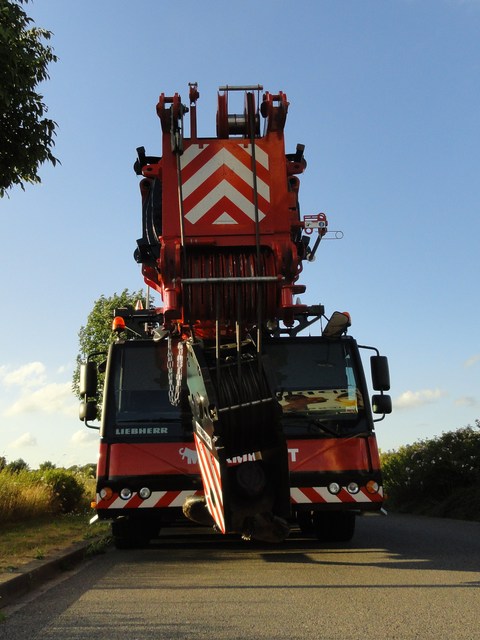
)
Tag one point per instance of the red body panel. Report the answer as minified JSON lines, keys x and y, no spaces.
{"x":333,"y":454}
{"x":147,"y":458}
{"x":173,"y":458}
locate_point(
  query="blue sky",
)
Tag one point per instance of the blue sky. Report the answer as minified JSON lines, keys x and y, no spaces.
{"x":384,"y":94}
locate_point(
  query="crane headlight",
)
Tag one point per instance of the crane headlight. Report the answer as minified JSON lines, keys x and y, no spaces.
{"x":334,"y":488}
{"x":353,"y":487}
{"x":144,"y":493}
{"x":126,"y":493}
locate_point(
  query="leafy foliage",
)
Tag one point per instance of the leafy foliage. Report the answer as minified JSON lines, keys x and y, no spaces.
{"x":96,"y":335}
{"x":87,"y":471}
{"x":16,"y":466}
{"x":424,"y":476}
{"x":44,"y":466}
{"x":68,"y":491}
{"x":26,"y":136}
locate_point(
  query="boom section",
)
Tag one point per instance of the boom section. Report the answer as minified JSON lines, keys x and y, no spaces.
{"x":223,"y":245}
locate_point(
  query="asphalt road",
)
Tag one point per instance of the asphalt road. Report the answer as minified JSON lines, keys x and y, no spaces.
{"x":401,"y":577}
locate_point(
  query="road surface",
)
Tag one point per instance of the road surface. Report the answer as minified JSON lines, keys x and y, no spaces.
{"x":401,"y":577}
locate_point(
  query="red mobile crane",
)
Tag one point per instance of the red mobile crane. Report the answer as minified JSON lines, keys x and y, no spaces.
{"x":271,"y":426}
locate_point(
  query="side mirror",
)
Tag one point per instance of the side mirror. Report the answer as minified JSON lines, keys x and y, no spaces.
{"x":380,"y":373}
{"x":88,"y":379}
{"x":381,"y":404}
{"x":87,"y":410}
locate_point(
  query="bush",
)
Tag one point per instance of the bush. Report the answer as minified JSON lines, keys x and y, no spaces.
{"x":422,"y":477}
{"x":26,"y":494}
{"x":68,"y":491}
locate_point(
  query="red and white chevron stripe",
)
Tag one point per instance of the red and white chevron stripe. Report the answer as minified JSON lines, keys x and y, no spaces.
{"x":217,"y":183}
{"x":158,"y":499}
{"x":306,"y":495}
{"x":212,"y":482}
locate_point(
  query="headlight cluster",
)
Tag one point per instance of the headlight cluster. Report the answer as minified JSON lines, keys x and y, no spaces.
{"x":353,"y":487}
{"x":125,"y":494}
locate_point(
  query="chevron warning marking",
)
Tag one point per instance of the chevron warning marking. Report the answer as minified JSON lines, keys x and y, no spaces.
{"x":210,"y":175}
{"x":224,"y":189}
{"x":212,"y":482}
{"x":303,"y":495}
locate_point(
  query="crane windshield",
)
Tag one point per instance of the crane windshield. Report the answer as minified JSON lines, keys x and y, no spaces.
{"x":318,"y":384}
{"x":138,"y":402}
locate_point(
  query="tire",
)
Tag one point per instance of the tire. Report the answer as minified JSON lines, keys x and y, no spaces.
{"x":335,"y":526}
{"x":305,"y":522}
{"x":132,"y":535}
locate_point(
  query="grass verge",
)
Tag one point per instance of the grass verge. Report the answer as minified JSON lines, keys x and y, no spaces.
{"x":38,"y":538}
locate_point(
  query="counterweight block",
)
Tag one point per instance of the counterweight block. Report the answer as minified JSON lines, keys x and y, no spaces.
{"x":241,"y":448}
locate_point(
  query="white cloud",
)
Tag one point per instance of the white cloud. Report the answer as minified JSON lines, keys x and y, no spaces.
{"x":471,"y":361}
{"x":410,"y":399}
{"x":466,"y":401}
{"x":84,"y":437}
{"x":54,"y":398}
{"x":27,"y":376}
{"x":25,"y":440}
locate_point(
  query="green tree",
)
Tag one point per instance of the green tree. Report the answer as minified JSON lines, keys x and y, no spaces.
{"x":45,"y":466}
{"x":26,"y":136}
{"x":89,"y":470}
{"x":97,"y":334}
{"x":17,"y":465}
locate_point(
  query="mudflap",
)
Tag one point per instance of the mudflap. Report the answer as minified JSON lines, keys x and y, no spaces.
{"x":242,"y":451}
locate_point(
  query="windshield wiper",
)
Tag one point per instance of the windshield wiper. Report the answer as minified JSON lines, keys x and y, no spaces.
{"x":303,"y":420}
{"x":354,"y":430}
{"x":322,"y":427}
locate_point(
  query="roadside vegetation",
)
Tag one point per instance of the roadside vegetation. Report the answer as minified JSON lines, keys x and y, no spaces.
{"x":47,"y":491}
{"x":436,"y":477}
{"x":43,"y":510}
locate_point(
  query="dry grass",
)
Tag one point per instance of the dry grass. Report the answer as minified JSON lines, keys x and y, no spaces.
{"x":23,"y":497}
